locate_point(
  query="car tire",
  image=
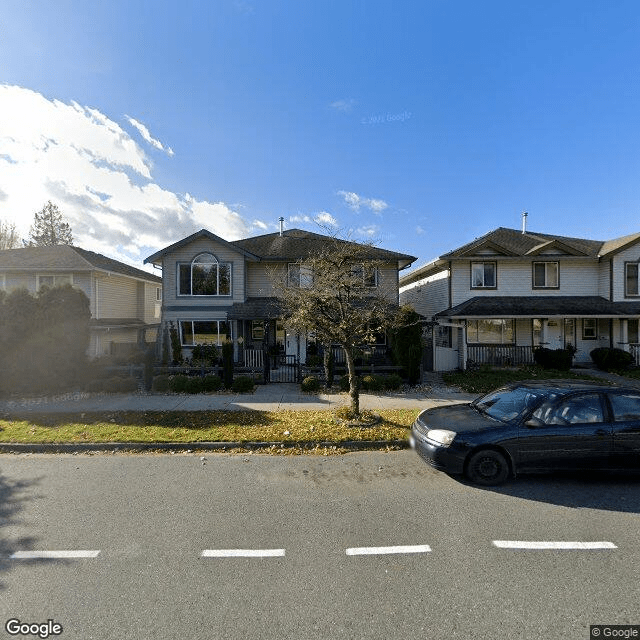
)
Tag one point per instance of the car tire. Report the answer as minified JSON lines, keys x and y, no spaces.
{"x":487,"y":467}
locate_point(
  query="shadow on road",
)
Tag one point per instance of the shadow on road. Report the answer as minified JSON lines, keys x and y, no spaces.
{"x":609,"y":491}
{"x":13,"y":495}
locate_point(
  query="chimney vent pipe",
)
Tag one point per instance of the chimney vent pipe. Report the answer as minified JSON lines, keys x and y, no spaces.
{"x":281,"y":221}
{"x":524,"y":221}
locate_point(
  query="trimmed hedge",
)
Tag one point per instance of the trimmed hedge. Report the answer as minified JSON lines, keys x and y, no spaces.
{"x":560,"y":359}
{"x":609,"y":359}
{"x":243,"y":384}
{"x":310,"y":384}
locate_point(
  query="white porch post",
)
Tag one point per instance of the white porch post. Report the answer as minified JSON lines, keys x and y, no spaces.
{"x":624,"y":333}
{"x":463,"y":334}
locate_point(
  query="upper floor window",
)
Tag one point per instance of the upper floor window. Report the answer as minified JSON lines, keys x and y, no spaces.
{"x":546,"y":275}
{"x":204,"y":276}
{"x":51,"y":281}
{"x":158,"y":294}
{"x":299,"y":275}
{"x":631,"y":279}
{"x":368,"y":274}
{"x":483,"y":275}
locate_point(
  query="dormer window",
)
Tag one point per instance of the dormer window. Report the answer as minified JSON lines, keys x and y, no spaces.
{"x":204,"y":276}
{"x":483,"y":275}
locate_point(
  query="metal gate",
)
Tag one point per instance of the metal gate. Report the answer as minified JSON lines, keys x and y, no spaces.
{"x":282,"y":368}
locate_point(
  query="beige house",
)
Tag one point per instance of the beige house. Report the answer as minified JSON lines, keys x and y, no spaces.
{"x":215,"y":290}
{"x":494,"y":299}
{"x":125,"y":302}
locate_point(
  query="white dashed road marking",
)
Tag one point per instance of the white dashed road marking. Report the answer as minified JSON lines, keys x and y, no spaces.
{"x":550,"y":544}
{"x":374,"y":551}
{"x":40,"y":555}
{"x":243,"y":553}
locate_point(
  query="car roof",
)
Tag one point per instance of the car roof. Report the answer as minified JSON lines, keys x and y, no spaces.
{"x":567,"y":386}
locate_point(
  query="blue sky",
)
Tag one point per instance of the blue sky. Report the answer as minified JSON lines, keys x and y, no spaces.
{"x":418,"y":125}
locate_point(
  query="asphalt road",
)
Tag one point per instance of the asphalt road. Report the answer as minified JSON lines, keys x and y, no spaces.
{"x":366,"y":545}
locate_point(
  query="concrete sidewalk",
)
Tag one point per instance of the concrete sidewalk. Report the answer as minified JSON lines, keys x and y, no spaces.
{"x":271,"y":397}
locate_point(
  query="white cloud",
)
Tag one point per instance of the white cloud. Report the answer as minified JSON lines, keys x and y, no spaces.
{"x":323,"y":219}
{"x":368,"y":231}
{"x":99,"y":177}
{"x":144,"y":132}
{"x":355,"y":202}
{"x":346,"y":106}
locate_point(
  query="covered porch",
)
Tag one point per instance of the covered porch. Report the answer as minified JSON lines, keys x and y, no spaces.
{"x":504,"y":331}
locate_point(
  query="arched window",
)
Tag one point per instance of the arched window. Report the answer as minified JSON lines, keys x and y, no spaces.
{"x":205,"y":276}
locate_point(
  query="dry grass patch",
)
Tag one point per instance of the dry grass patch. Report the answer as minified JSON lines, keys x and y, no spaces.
{"x":200,"y":426}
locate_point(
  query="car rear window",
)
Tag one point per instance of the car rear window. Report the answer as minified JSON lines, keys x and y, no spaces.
{"x":626,"y":406}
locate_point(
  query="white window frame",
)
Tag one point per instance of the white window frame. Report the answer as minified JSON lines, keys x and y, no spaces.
{"x":366,"y":273}
{"x":218,"y":342}
{"x":483,"y":264}
{"x":627,"y":293}
{"x":68,"y":277}
{"x":158,"y":294}
{"x":190,"y":266}
{"x":503,"y":330}
{"x":590,"y":333}
{"x":299,"y":275}
{"x":547,"y":284}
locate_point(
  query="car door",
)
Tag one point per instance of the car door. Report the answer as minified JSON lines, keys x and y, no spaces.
{"x":625,"y":409}
{"x":573,"y":432}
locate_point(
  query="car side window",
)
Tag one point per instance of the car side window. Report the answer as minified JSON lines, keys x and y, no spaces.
{"x":625,"y":406}
{"x":584,"y":408}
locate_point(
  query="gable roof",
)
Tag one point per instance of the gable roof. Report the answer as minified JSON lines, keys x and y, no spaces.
{"x":203,"y":233}
{"x":295,"y":244}
{"x":64,"y":257}
{"x":512,"y":242}
{"x":292,"y":245}
{"x":516,"y":243}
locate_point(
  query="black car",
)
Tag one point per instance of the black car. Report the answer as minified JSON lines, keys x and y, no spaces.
{"x":533,"y":426}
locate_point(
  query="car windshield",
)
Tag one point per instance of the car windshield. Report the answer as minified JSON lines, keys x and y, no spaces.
{"x":508,"y":404}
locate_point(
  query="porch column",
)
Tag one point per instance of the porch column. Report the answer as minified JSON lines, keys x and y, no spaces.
{"x":623,"y":323}
{"x":543,"y":331}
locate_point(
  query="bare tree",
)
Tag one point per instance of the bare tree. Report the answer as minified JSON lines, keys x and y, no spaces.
{"x":49,"y":228}
{"x":9,"y":238}
{"x":332,"y":294}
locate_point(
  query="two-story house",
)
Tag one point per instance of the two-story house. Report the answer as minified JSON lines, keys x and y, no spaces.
{"x":216,"y":290}
{"x":494,"y":299}
{"x":125,"y":302}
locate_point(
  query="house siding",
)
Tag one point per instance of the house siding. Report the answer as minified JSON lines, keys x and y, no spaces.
{"x":185,"y":255}
{"x":428,"y":296}
{"x":631,"y":254}
{"x":514,"y":278}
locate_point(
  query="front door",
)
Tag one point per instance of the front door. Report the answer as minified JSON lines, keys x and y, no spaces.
{"x":553,"y":334}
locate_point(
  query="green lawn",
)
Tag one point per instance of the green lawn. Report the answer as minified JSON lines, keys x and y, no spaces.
{"x":201,"y":426}
{"x":486,"y":378}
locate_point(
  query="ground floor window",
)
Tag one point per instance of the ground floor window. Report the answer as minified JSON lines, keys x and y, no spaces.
{"x":194,"y":332}
{"x":589,"y":328}
{"x":491,"y":331}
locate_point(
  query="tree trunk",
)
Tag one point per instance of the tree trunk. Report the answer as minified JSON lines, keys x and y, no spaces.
{"x":354,"y":391}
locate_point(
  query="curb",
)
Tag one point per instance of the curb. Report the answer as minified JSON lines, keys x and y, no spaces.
{"x":117,"y":447}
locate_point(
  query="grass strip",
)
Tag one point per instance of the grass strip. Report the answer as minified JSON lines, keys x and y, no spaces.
{"x":200,"y":426}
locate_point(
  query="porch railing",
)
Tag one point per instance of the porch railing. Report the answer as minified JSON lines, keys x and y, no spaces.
{"x":500,"y":354}
{"x":254,"y":358}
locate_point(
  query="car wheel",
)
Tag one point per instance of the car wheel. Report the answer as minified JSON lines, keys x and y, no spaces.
{"x":487,"y":467}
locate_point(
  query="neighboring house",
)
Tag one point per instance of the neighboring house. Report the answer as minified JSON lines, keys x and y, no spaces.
{"x":125,"y":302}
{"x":216,"y":290}
{"x":494,"y":299}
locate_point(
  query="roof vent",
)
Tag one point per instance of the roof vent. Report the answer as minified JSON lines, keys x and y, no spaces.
{"x":524,"y":221}
{"x":281,"y":221}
